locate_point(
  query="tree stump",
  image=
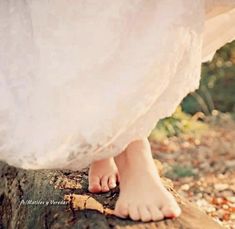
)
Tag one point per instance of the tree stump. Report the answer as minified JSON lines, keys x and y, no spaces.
{"x":59,"y":199}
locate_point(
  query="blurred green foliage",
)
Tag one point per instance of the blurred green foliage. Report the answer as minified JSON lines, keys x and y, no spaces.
{"x":216,"y":92}
{"x":177,"y":171}
{"x":180,"y":122}
{"x":217,"y":86}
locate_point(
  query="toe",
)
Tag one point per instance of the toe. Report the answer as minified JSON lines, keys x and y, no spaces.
{"x":145,"y":214}
{"x":104,"y":184}
{"x":94,"y":184}
{"x":112,"y":181}
{"x":171,"y":211}
{"x":121,"y":211}
{"x":155,"y":213}
{"x":134,"y":212}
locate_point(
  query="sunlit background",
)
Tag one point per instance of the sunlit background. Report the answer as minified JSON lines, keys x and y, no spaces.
{"x":196,"y":145}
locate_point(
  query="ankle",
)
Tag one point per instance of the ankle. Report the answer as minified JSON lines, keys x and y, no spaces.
{"x":102,"y":161}
{"x":137,"y":157}
{"x":139,"y":152}
{"x":121,"y":160}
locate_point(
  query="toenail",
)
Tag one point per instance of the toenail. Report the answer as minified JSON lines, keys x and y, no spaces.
{"x":113,"y":185}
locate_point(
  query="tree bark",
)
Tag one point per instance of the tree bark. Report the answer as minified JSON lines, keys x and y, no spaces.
{"x":59,"y":199}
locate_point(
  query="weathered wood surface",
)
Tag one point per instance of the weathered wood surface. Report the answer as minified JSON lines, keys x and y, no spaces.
{"x":18,"y":187}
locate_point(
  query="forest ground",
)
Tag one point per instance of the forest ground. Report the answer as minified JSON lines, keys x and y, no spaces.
{"x":202,"y":166}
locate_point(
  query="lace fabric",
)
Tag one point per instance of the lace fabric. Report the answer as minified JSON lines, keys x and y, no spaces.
{"x":81,"y":80}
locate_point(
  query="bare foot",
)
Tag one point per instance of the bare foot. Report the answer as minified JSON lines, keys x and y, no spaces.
{"x":142,"y":195}
{"x":102,"y":175}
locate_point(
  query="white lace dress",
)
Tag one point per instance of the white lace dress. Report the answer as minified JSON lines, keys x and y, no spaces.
{"x":79,"y":80}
